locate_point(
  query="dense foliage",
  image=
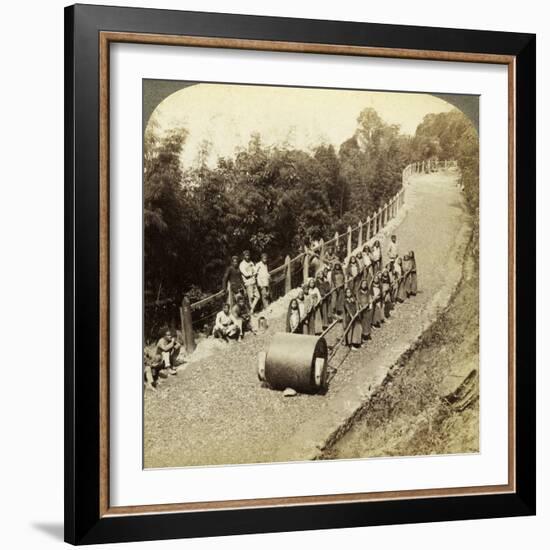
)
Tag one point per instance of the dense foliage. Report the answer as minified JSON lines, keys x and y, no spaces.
{"x":271,"y":198}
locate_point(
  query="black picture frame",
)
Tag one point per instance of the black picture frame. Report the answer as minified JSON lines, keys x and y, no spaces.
{"x":84,"y":523}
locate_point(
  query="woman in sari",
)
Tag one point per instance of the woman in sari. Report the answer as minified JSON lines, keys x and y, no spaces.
{"x":352,"y":321}
{"x":324,"y":288}
{"x":359,"y":257}
{"x":386,"y":292}
{"x":341,"y":252}
{"x":293,"y":316}
{"x":407,"y":266}
{"x":367,"y":264}
{"x":414,"y":283}
{"x":393,"y":282}
{"x":312,"y":254}
{"x":377,"y":256}
{"x":329,"y":260}
{"x":399,"y":274}
{"x":338,"y":281}
{"x":304,"y":307}
{"x":315,"y":319}
{"x":377,"y":316}
{"x":364,"y":303}
{"x":352,"y":274}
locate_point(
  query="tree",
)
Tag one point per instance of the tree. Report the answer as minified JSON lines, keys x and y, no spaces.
{"x":163,"y":202}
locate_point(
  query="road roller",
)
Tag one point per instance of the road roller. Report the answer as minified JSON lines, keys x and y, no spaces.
{"x":296,"y":361}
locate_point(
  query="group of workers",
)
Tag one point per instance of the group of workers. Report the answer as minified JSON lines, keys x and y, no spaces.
{"x":361,"y":292}
{"x":249,"y":285}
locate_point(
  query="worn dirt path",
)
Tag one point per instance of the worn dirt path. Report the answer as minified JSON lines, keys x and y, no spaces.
{"x":215,"y":411}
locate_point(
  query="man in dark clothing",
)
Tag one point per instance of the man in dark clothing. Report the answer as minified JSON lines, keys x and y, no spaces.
{"x":341,"y":252}
{"x":232,"y":276}
{"x":168,"y":348}
{"x":240,"y":315}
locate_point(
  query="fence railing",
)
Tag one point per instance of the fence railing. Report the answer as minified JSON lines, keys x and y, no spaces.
{"x":198,"y":316}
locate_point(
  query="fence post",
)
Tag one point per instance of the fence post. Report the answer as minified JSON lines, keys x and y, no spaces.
{"x":187,"y":325}
{"x":288,"y":275}
{"x":182,"y":323}
{"x":306,"y":267}
{"x":336,"y":240}
{"x":379,"y":219}
{"x":349,"y":240}
{"x":385,"y":214}
{"x":322,"y":249}
{"x":360,"y":236}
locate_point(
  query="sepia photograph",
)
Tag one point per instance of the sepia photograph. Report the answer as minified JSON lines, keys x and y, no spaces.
{"x":316,"y":238}
{"x":310,"y":274}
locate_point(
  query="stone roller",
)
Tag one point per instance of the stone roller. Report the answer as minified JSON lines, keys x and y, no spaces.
{"x":295,"y":361}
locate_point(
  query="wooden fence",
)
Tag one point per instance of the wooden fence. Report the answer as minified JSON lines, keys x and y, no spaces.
{"x":193,"y":317}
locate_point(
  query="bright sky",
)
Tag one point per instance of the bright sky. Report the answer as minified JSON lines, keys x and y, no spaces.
{"x":227,"y":114}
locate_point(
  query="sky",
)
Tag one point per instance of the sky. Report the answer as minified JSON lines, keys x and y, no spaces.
{"x":227,"y":114}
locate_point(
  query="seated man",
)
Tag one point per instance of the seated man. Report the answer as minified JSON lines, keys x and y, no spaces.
{"x":168,"y":348}
{"x":152,"y":362}
{"x":240,"y":314}
{"x":225,"y":327}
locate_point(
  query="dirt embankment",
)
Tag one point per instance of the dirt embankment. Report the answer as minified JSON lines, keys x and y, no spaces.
{"x":429,"y":404}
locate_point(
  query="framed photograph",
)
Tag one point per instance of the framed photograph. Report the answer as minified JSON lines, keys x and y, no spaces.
{"x":300,"y":274}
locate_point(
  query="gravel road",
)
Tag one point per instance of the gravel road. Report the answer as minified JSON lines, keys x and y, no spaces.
{"x":215,"y":411}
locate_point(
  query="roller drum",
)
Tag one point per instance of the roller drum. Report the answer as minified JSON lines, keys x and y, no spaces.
{"x":296,"y":361}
